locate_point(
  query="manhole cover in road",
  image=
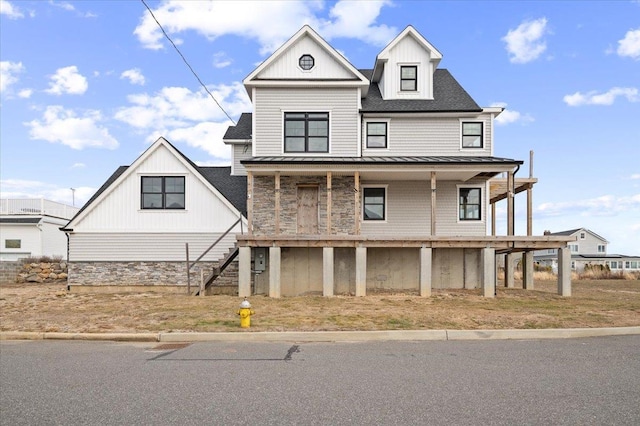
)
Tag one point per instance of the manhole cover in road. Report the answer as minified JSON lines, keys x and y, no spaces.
{"x":170,"y":346}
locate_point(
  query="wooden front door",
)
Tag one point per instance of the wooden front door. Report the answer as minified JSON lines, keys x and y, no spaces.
{"x":307,"y":210}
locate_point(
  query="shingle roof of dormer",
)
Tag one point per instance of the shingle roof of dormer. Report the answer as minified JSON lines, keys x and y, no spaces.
{"x":448,"y":96}
{"x":242,"y":130}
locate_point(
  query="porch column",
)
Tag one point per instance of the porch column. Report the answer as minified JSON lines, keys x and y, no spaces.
{"x":361,"y":271}
{"x":433,"y":203}
{"x":488,"y":258}
{"x":509,"y":270}
{"x":244,"y":272}
{"x":510,"y":200}
{"x":425,"y":271}
{"x":564,"y":271}
{"x":527,"y":270}
{"x":329,"y":203}
{"x":277,"y":203}
{"x":274,"y":272}
{"x":327,"y":271}
{"x":249,"y":208}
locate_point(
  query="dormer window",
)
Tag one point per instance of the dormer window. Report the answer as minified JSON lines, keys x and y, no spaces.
{"x":409,"y":78}
{"x":306,"y":62}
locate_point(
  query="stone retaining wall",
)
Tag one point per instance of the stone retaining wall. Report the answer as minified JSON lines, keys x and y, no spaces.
{"x":26,"y":270}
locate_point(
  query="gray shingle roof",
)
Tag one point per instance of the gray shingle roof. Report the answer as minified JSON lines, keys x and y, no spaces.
{"x":20,"y":220}
{"x":242,"y":130}
{"x":440,"y":160}
{"x":448,"y":96}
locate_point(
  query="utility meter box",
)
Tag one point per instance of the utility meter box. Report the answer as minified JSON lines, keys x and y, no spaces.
{"x":260,"y":259}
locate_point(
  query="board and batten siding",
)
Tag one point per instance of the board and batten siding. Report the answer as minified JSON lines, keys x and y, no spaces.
{"x":240,"y":152}
{"x":121,"y":210}
{"x":287,"y":65}
{"x":409,"y":210}
{"x":408,"y":52}
{"x":271,"y":103}
{"x":422,"y":136}
{"x":54,"y":241}
{"x":151,"y":247}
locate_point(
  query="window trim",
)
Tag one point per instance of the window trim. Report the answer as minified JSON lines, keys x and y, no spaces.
{"x":415,"y":79}
{"x":306,"y":136}
{"x":366,"y":134}
{"x":313,"y":62}
{"x":480,"y":219}
{"x":482,"y":134}
{"x":163,"y":192}
{"x":385,"y":188}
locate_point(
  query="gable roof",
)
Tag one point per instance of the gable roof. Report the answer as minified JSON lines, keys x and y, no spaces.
{"x":231,"y":189}
{"x":448,"y":96}
{"x":306,"y":31}
{"x":571,"y":232}
{"x":409,"y":31}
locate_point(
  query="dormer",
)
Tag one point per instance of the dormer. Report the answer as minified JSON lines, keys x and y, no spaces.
{"x":404,"y":69}
{"x":306,"y":60}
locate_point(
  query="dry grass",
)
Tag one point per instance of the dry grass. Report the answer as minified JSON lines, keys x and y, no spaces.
{"x":47,"y":308}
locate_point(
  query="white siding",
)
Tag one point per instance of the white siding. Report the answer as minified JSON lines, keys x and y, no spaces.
{"x":589,"y":245}
{"x":423,"y":136}
{"x":271,"y":103}
{"x":150,"y":247}
{"x":120,"y":210}
{"x":30,"y":241}
{"x":447,"y":223}
{"x":240,"y":152}
{"x":286,"y":66}
{"x":408,"y":52}
{"x":54,"y":241}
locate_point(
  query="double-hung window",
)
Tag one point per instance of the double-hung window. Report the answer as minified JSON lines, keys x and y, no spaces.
{"x":163,"y":192}
{"x":408,"y":78}
{"x":376,"y":135}
{"x":470,"y":203}
{"x":373,"y":205}
{"x":306,"y":132}
{"x":472,"y":134}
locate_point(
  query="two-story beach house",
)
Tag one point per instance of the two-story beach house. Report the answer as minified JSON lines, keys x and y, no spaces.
{"x":366,"y":179}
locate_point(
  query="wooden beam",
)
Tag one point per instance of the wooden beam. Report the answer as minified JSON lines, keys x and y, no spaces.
{"x":277,"y":207}
{"x":329,"y":203}
{"x":356,"y":189}
{"x":433,"y":203}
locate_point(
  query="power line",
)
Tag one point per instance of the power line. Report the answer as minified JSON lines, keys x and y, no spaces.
{"x":185,"y":61}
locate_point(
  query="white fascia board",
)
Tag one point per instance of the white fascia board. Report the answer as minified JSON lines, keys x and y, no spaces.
{"x":392,"y":114}
{"x":236,"y":141}
{"x":493,"y":110}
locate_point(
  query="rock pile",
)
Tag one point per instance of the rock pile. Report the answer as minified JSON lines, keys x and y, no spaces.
{"x":43,"y":272}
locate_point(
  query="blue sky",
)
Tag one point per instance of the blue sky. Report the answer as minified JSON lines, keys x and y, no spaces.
{"x":86,"y":86}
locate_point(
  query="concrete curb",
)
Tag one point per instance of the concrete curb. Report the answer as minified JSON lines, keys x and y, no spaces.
{"x":331,"y":336}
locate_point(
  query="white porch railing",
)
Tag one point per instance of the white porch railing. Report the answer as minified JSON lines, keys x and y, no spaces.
{"x":36,"y":206}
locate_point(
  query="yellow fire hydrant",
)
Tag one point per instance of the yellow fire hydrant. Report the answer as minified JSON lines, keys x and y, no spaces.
{"x":245,"y":313}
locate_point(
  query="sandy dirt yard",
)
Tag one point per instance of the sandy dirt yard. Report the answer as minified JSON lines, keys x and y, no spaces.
{"x":50,"y":308}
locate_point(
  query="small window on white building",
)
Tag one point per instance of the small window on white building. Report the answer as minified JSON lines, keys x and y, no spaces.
{"x":602,"y":248}
{"x":582,"y":236}
{"x":12,"y":244}
{"x":573,"y":248}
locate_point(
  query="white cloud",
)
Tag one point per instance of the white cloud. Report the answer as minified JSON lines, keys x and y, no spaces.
{"x":509,"y":116}
{"x":255,"y":20}
{"x":10,"y":10}
{"x":526,"y":42}
{"x":181,"y":115}
{"x":8,"y":71}
{"x":134,"y":76}
{"x":606,"y":205}
{"x":67,"y":80}
{"x":63,"y":5}
{"x":17,"y":188}
{"x":630,"y":45}
{"x":635,"y":176}
{"x":606,"y":98}
{"x":78,"y":166}
{"x":221,"y":60}
{"x":59,"y":125}
{"x":25,"y":93}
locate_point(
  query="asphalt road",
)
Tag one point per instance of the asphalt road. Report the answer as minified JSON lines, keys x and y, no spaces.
{"x":591,"y":381}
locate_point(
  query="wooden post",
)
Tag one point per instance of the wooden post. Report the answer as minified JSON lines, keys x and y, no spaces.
{"x":250,"y":202}
{"x":433,"y":203}
{"x":329,"y":203}
{"x":356,"y":189}
{"x":493,"y":219}
{"x":201,"y":282}
{"x":186,"y":246}
{"x":277,"y":201}
{"x":510,"y":199}
{"x":530,"y":198}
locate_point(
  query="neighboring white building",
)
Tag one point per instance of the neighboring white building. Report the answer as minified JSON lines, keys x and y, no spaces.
{"x":589,"y":248}
{"x":31,"y":228}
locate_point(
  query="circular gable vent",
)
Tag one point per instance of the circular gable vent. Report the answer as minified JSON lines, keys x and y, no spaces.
{"x":306,"y":62}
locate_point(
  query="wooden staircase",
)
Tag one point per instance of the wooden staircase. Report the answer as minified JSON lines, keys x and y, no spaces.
{"x":224,"y":262}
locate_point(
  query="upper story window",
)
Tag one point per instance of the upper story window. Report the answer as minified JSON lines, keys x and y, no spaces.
{"x":573,"y":248}
{"x":472,"y":134}
{"x":306,"y":132}
{"x":409,"y":78}
{"x":470,"y":204}
{"x":374,"y":203}
{"x":163,"y":192}
{"x":376,"y":135}
{"x":306,"y":62}
{"x":583,"y":235}
{"x":602,"y":248}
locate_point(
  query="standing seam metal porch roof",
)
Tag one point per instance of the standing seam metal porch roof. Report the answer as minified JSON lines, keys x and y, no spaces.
{"x":428,"y":160}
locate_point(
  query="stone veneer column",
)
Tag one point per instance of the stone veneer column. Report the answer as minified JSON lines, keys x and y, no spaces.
{"x":425,"y":271}
{"x":564,"y":272}
{"x":327,"y":271}
{"x":361,"y":271}
{"x":244,"y":273}
{"x":274,"y":272}
{"x":488,"y":259}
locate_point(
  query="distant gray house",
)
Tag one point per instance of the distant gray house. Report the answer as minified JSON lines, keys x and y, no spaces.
{"x":589,"y":248}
